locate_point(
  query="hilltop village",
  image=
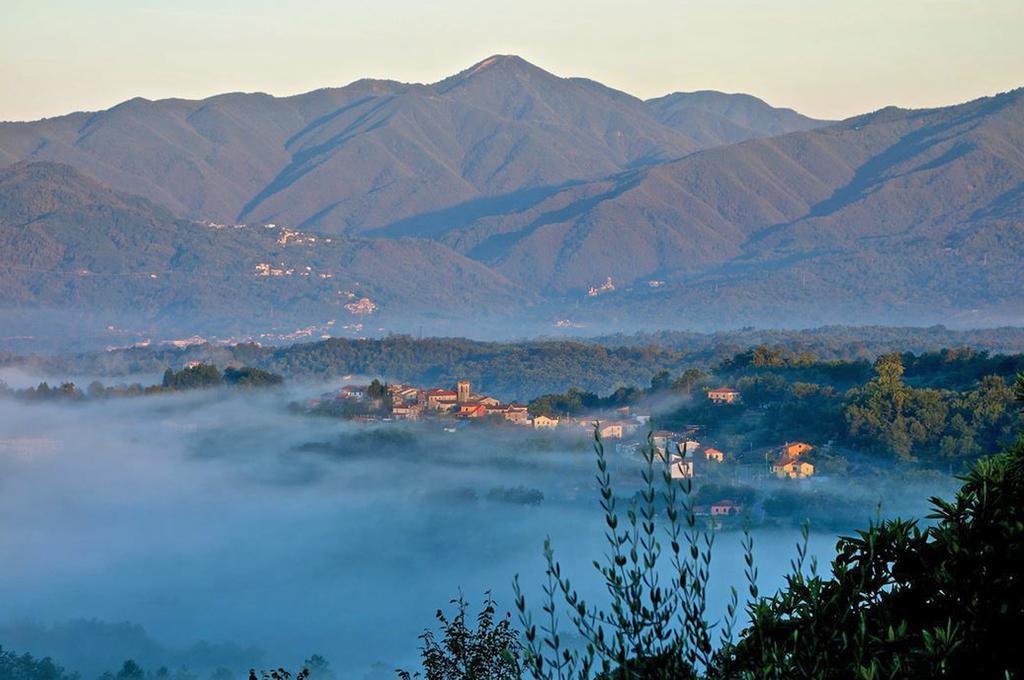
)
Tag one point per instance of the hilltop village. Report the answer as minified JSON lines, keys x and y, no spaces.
{"x":625,"y":429}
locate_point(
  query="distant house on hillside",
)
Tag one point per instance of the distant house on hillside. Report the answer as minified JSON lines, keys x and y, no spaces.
{"x":792,"y":468}
{"x":662,"y":438}
{"x":713,"y":455}
{"x":724,"y":395}
{"x":790,"y":465}
{"x":612,"y":430}
{"x":353,"y":392}
{"x":517,"y":413}
{"x":544,"y":423}
{"x":796,"y":449}
{"x":681,"y":468}
{"x":472,"y":410}
{"x":440,"y":400}
{"x":404,"y":412}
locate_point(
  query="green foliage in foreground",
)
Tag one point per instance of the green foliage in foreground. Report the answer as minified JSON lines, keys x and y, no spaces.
{"x":901,"y":601}
{"x":489,"y":651}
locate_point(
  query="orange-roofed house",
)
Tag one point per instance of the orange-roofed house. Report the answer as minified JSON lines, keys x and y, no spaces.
{"x":472,"y":410}
{"x":714,"y":455}
{"x":788,"y":467}
{"x":724,"y":395}
{"x":796,"y":449}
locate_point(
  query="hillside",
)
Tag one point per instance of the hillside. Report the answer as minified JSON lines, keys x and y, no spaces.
{"x":67,"y":242}
{"x":889,"y":213}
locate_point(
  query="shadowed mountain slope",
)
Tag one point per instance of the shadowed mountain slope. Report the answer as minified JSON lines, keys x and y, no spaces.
{"x":895,"y":204}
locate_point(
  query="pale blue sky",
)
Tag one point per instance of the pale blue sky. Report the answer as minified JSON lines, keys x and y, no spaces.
{"x":825,"y":58}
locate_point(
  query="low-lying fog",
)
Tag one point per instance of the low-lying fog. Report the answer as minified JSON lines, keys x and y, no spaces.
{"x":224,"y":517}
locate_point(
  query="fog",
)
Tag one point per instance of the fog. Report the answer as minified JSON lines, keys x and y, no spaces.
{"x":227,"y":517}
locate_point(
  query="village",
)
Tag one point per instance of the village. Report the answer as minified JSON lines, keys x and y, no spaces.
{"x":624,"y":430}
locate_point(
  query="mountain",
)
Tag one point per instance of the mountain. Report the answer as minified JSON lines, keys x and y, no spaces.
{"x":713,"y":118}
{"x":491,"y":202}
{"x":911,"y":210}
{"x":68,"y":242}
{"x":373,"y":154}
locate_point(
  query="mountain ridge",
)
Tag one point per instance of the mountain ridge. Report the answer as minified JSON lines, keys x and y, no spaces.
{"x":498,"y":126}
{"x":508,"y":192}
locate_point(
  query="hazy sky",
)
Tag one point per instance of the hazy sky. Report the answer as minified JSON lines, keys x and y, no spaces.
{"x":823,"y":57}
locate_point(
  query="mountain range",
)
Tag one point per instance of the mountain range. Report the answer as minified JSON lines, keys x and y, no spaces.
{"x":507,"y":192}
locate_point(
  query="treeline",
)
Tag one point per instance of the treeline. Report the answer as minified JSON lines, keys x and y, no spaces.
{"x":189,"y":378}
{"x":24,"y":666}
{"x":831,"y":342}
{"x":520,"y":370}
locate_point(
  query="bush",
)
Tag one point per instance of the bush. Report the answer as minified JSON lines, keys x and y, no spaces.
{"x":488,"y":652}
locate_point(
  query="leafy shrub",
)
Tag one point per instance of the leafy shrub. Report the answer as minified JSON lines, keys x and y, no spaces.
{"x":490,"y":651}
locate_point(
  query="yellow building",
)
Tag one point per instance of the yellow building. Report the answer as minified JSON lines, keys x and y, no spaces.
{"x":793,"y":469}
{"x":544,"y":423}
{"x":714,"y":455}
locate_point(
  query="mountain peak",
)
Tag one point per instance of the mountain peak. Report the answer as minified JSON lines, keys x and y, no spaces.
{"x":495,"y":66}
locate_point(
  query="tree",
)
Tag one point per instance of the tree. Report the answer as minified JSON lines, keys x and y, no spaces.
{"x":689,"y":379}
{"x":376,"y":390}
{"x":319,"y":668}
{"x":27,"y":667}
{"x":661,"y":381}
{"x":130,"y":671}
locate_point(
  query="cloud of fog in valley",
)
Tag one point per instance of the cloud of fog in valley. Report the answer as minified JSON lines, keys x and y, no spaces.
{"x":223,"y":516}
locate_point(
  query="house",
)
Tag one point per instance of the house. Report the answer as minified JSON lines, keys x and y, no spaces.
{"x":403,"y":393}
{"x":353,"y":392}
{"x":681,"y":468}
{"x":517,"y":413}
{"x":440,"y":400}
{"x":688,"y":446}
{"x":610,"y":430}
{"x":713,"y":455}
{"x":789,"y":465}
{"x":403,"y":412}
{"x":544,"y":423}
{"x":796,"y":449}
{"x":661,"y":438}
{"x":472,"y":410}
{"x":725,"y":508}
{"x":792,"y":468}
{"x":724,"y":395}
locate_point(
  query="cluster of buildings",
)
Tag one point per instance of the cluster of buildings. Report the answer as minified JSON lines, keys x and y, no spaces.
{"x":407,"y":402}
